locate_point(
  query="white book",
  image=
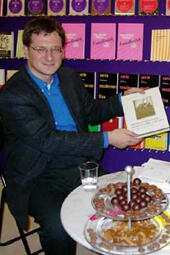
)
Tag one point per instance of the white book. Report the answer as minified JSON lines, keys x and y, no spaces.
{"x":2,"y":77}
{"x":145,"y":113}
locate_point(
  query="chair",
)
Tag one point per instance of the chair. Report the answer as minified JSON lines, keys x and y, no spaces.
{"x":22,"y":235}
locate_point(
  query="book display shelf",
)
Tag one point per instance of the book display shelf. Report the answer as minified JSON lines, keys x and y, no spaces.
{"x":113,"y":159}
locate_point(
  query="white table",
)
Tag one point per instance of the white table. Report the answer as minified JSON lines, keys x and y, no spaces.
{"x":77,"y":209}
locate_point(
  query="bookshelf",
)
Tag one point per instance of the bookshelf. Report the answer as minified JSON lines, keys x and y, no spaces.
{"x":113,"y":159}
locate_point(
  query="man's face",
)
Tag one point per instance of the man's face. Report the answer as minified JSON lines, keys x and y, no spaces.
{"x":44,"y":55}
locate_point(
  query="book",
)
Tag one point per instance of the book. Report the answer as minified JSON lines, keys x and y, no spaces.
{"x":167,"y":7}
{"x":79,"y":7}
{"x":2,"y":77}
{"x":75,"y":40}
{"x":107,"y":85}
{"x":89,"y":82}
{"x":15,"y":7}
{"x":165,"y":89}
{"x":99,"y":7}
{"x":95,"y":128}
{"x":127,"y":81}
{"x":124,"y":7}
{"x":145,"y":113}
{"x":139,"y":145}
{"x":148,"y":8}
{"x":130,"y":41}
{"x":157,"y":142}
{"x":20,"y":46}
{"x":147,"y":81}
{"x":10,"y":73}
{"x":7,"y":44}
{"x":1,"y":7}
{"x":103,"y":39}
{"x":160,"y":50}
{"x":56,"y":7}
{"x":35,"y":7}
{"x":110,"y":124}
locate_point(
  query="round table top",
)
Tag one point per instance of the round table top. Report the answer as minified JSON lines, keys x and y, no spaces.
{"x":77,"y":209}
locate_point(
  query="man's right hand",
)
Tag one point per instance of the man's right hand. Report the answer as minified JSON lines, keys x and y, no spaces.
{"x":122,"y":138}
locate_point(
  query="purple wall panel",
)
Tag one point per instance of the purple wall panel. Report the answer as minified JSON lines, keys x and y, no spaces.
{"x":113,"y":159}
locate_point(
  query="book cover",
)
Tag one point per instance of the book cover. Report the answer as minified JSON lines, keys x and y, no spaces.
{"x":10,"y":73}
{"x":35,"y":7}
{"x":75,"y":40}
{"x":56,"y":7}
{"x":157,"y":142}
{"x":99,"y":7}
{"x":147,"y":81}
{"x":19,"y":46}
{"x":89,"y":82}
{"x":165,"y":89}
{"x":110,"y":124}
{"x":125,"y":7}
{"x":145,"y":113}
{"x":139,"y":145}
{"x":15,"y":7}
{"x":2,"y":77}
{"x":107,"y":85}
{"x":6,"y":44}
{"x":167,"y":7}
{"x":127,"y":81}
{"x":130,"y":41}
{"x":148,"y":8}
{"x":160,"y":50}
{"x":103,"y":38}
{"x":1,"y":7}
{"x":95,"y":128}
{"x":79,"y":7}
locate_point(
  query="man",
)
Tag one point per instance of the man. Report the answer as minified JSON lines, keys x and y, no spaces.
{"x":45,"y":112}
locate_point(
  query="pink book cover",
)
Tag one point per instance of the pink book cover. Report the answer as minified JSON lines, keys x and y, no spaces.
{"x":130,"y":41}
{"x":103,"y":41}
{"x":75,"y":40}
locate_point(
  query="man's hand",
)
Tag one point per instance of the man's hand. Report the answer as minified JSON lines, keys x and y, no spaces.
{"x":134,"y":90}
{"x":122,"y":138}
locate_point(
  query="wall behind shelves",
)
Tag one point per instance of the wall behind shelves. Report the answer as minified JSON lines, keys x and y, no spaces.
{"x":113,"y":159}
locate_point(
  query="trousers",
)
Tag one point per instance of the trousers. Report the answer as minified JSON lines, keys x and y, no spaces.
{"x":45,"y":205}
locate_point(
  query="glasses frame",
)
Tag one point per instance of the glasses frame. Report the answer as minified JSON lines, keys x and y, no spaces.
{"x":42,"y":51}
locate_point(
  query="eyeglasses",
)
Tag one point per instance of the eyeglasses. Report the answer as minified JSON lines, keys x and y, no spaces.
{"x":42,"y":51}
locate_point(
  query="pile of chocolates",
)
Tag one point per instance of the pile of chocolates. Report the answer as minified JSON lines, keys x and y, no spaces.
{"x":146,"y":200}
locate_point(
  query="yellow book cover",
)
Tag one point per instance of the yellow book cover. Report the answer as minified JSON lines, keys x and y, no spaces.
{"x":7,"y":44}
{"x":15,"y":7}
{"x":56,"y":7}
{"x":160,"y":45}
{"x":19,"y":48}
{"x":157,"y":142}
{"x":10,"y":73}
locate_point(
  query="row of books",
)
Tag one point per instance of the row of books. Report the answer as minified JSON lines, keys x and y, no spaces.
{"x":84,"y":7}
{"x":105,"y":42}
{"x":104,"y":85}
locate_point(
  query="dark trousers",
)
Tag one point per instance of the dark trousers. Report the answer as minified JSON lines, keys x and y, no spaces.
{"x":45,"y":204}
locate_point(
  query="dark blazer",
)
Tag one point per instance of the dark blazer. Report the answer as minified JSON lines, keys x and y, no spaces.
{"x":31,"y":139}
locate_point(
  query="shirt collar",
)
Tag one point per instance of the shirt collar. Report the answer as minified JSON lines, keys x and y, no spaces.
{"x":40,"y":82}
